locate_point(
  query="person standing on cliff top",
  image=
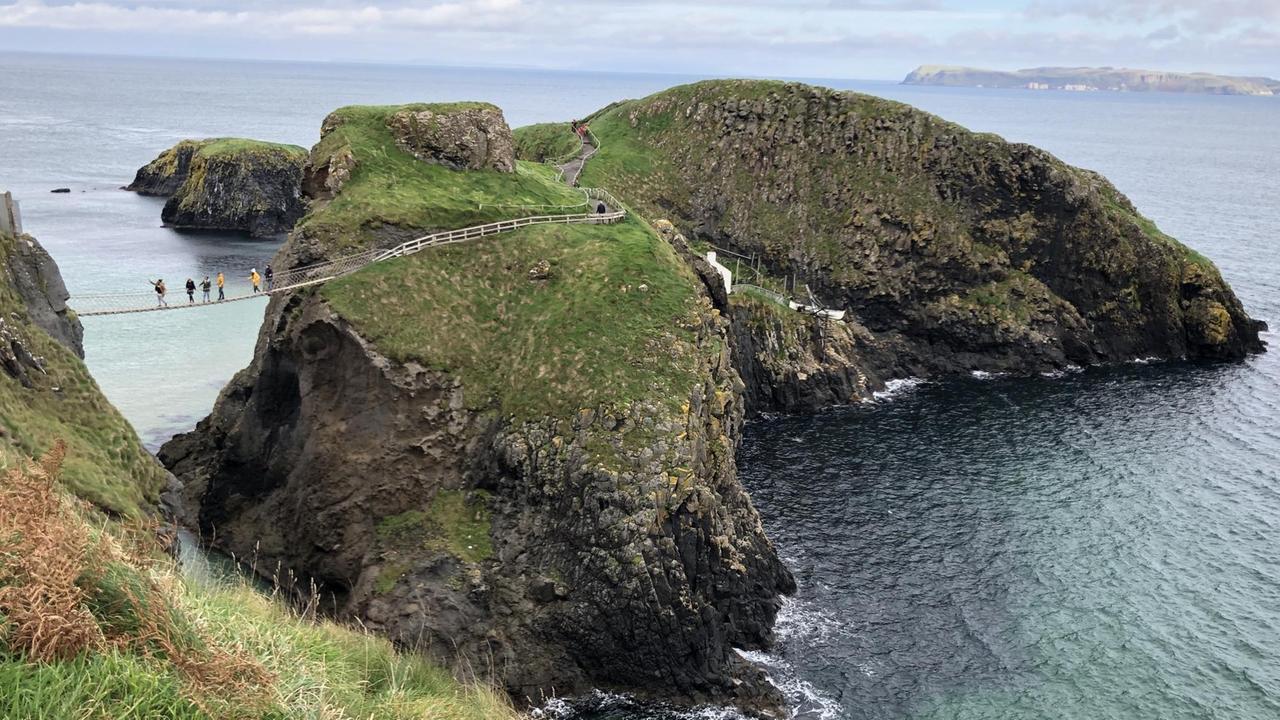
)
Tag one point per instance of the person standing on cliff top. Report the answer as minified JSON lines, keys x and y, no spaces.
{"x":221,"y":281}
{"x":256,"y":279}
{"x":204,"y":288}
{"x":160,"y":291}
{"x":270,"y":275}
{"x":191,"y":291}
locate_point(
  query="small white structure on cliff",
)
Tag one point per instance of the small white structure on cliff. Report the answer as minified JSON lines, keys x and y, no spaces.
{"x":727,"y":275}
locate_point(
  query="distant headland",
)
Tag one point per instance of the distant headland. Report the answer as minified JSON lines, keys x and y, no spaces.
{"x":1087,"y":79}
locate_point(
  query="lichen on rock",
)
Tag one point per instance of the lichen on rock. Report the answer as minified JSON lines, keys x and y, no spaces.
{"x":461,"y":136}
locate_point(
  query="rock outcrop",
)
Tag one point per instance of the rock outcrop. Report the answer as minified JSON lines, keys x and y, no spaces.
{"x":463,"y":136}
{"x":227,"y":184}
{"x":47,"y":395}
{"x":590,"y":536}
{"x":956,"y":251}
{"x":34,"y":276}
{"x":789,"y":362}
{"x":516,"y":547}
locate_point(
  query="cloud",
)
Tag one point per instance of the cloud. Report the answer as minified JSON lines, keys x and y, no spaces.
{"x":809,"y":38}
{"x":279,"y":18}
{"x":1207,"y":16}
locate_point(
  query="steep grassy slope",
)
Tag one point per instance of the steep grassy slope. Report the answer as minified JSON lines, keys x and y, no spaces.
{"x":617,"y":301}
{"x":545,"y":142}
{"x":96,"y":622}
{"x":105,"y":462}
{"x":961,"y":251}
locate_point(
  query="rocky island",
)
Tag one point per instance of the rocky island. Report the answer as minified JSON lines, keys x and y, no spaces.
{"x":1087,"y":79}
{"x":522,"y":449}
{"x":953,"y":251}
{"x":516,"y":456}
{"x":227,"y":184}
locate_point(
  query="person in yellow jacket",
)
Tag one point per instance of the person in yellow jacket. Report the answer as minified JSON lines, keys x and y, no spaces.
{"x":255,"y":278}
{"x":221,"y":282}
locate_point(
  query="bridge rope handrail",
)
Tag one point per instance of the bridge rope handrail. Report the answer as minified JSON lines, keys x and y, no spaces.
{"x":114,"y":303}
{"x":294,"y":278}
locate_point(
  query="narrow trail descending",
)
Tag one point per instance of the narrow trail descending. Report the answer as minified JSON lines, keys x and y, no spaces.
{"x":572,"y":170}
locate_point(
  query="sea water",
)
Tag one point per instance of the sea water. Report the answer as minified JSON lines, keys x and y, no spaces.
{"x":1102,"y":544}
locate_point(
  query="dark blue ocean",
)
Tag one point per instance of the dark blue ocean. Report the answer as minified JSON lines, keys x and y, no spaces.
{"x":1104,"y":544}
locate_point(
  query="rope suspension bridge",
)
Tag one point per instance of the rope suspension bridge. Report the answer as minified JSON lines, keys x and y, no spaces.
{"x":607,"y":211}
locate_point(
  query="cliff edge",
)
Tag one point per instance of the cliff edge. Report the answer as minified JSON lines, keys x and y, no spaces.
{"x":47,"y":394}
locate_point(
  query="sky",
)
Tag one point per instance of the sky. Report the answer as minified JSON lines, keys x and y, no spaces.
{"x":864,"y":39}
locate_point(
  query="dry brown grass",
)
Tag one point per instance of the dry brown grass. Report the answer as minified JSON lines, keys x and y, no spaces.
{"x":68,"y":588}
{"x":42,"y":555}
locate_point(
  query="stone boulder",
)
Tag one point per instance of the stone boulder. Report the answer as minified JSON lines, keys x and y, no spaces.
{"x":471,"y":136}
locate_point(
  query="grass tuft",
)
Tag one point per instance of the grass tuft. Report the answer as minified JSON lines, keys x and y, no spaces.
{"x":96,"y":623}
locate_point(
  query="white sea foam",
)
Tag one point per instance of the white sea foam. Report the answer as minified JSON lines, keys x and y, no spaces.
{"x":897,"y":387}
{"x":801,"y":622}
{"x":1068,"y":370}
{"x":804,"y":701}
{"x":984,"y":375}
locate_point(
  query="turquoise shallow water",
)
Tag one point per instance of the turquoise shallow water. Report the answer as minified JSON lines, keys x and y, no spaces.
{"x":1098,"y":545}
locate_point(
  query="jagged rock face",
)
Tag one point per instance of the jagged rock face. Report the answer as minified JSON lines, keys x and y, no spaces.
{"x":555,"y":553}
{"x":796,"y":363}
{"x":163,"y":176}
{"x":960,"y":250}
{"x":467,"y":138}
{"x":789,"y":362}
{"x":324,"y":175}
{"x":227,"y":185}
{"x":35,"y":277}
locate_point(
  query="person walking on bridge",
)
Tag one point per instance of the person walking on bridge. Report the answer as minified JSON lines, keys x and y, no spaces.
{"x":191,"y":291}
{"x":270,"y":275}
{"x":256,"y":279}
{"x":160,"y":291}
{"x":221,"y":281}
{"x":205,"y":285}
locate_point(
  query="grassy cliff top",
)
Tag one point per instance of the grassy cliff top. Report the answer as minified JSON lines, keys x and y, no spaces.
{"x":214,"y":147}
{"x":612,"y":323}
{"x":106,"y":463}
{"x":545,"y":141}
{"x":167,"y":161}
{"x":887,"y":209}
{"x":651,"y":147}
{"x":390,"y":187}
